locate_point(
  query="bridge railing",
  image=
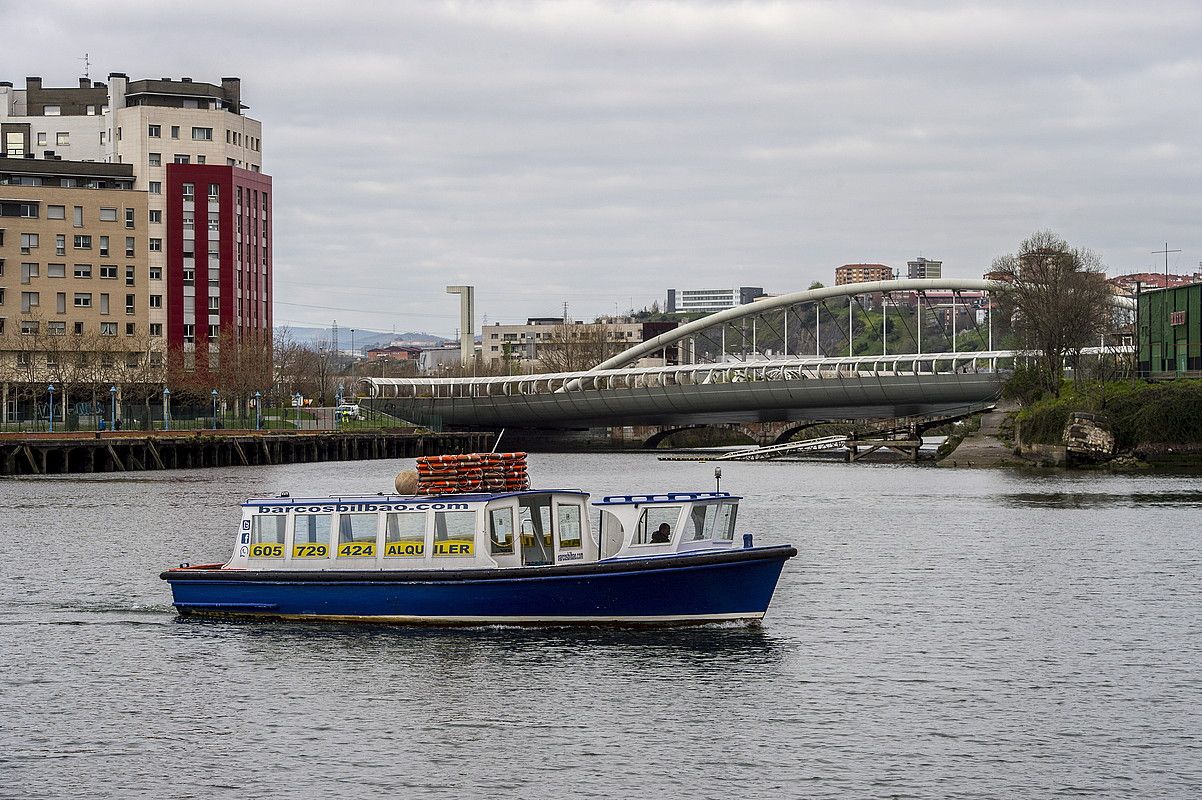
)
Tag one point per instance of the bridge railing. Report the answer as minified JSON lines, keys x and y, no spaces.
{"x":792,"y":369}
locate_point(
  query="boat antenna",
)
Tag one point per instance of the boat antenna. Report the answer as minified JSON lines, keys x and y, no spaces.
{"x":497,"y":442}
{"x":717,"y":479}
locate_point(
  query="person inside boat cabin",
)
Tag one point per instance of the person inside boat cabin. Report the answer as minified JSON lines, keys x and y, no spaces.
{"x":663,"y":535}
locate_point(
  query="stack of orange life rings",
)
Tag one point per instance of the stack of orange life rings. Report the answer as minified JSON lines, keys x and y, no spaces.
{"x":472,"y":472}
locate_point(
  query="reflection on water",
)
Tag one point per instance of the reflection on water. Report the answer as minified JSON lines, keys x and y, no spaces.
{"x":942,"y":633}
{"x":1101,"y":500}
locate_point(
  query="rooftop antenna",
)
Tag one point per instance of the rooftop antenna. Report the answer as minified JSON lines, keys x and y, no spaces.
{"x":1166,"y":252}
{"x":87,"y":66}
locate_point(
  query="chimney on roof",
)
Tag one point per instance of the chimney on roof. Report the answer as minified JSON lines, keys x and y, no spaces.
{"x":186,"y":80}
{"x":85,"y":83}
{"x":33,"y":82}
{"x":8,"y":84}
{"x":48,"y":155}
{"x":118,"y":75}
{"x":231,"y":88}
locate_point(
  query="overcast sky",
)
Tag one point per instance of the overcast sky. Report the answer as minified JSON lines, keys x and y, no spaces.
{"x":598,"y":153}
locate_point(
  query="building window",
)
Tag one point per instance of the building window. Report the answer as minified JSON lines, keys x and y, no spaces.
{"x":154,"y":131}
{"x":180,"y":158}
{"x":83,"y":300}
{"x":60,"y":303}
{"x":131,"y":328}
{"x":156,"y":187}
{"x":56,"y":270}
{"x":129,"y":276}
{"x":189,"y":191}
{"x":104,"y":303}
{"x":129,"y":303}
{"x":174,"y":131}
{"x":214,"y":304}
{"x":214,"y":190}
{"x":156,"y":301}
{"x":108,"y":271}
{"x":156,"y":216}
{"x":77,"y":217}
{"x":62,"y":139}
{"x":202,"y":134}
{"x":129,"y":247}
{"x":83,"y":270}
{"x":42,"y":139}
{"x":129,"y":218}
{"x":200,"y":159}
{"x":189,"y":333}
{"x":56,"y":212}
{"x":56,"y":329}
{"x":83,"y":242}
{"x":156,"y":329}
{"x":189,"y":277}
{"x":29,"y":241}
{"x":156,"y":273}
{"x":156,"y":245}
{"x":28,"y":328}
{"x":60,"y":245}
{"x":104,"y":245}
{"x":79,"y":332}
{"x":29,"y":300}
{"x":213,"y":332}
{"x":108,"y":215}
{"x":29,"y":271}
{"x":108,"y":329}
{"x":155,"y":159}
{"x":156,"y":358}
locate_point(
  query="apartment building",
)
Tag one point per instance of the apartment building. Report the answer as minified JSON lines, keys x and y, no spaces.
{"x":550,"y":343}
{"x":924,"y":268}
{"x":218,"y":260}
{"x":153,"y":125}
{"x":76,"y":290}
{"x":862,"y":273}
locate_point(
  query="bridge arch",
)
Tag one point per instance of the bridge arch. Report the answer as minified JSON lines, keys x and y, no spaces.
{"x":633,"y":354}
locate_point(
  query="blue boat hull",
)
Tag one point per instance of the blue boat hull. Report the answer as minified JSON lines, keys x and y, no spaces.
{"x":706,"y":587}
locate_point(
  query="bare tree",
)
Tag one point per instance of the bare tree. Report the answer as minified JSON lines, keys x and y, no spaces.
{"x":573,"y":348}
{"x":1058,"y":299}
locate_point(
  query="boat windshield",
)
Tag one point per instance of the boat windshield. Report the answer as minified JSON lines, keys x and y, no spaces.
{"x":534,"y":521}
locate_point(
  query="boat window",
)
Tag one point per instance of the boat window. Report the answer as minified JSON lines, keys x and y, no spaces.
{"x":534,"y":527}
{"x":726,"y":521}
{"x":569,"y":526}
{"x":500,"y":530}
{"x":267,"y":536}
{"x":405,"y":534}
{"x":311,"y":536}
{"x":357,"y":535}
{"x":657,"y":524}
{"x":454,"y":533}
{"x":701,"y":521}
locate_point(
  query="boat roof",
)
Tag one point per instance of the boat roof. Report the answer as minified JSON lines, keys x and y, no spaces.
{"x":391,"y":499}
{"x":667,"y":497}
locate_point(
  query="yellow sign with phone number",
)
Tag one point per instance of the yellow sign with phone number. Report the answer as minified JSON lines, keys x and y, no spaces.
{"x":357,"y":550}
{"x":313,"y":550}
{"x":266,"y":550}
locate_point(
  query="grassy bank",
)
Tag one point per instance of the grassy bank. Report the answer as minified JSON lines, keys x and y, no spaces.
{"x":1142,"y":415}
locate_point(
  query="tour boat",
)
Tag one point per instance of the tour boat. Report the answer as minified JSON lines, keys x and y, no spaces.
{"x":503,"y":557}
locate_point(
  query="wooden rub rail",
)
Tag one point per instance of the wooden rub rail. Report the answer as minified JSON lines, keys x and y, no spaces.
{"x":131,"y":451}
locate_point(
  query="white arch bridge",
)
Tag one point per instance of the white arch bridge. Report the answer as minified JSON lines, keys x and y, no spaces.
{"x":745,"y":365}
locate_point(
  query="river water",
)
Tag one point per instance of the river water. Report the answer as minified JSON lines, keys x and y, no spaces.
{"x":942,"y":633}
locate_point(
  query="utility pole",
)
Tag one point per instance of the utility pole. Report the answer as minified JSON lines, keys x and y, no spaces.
{"x":467,"y":316}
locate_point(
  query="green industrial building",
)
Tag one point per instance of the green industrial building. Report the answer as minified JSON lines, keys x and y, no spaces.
{"x":1170,"y":331}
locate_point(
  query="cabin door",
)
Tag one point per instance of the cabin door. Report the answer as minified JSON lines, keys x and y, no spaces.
{"x":534,"y":530}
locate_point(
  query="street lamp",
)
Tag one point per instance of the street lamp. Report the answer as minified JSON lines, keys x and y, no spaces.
{"x":113,"y":415}
{"x":50,"y":389}
{"x":166,"y":409}
{"x":258,"y":411}
{"x":214,"y":393}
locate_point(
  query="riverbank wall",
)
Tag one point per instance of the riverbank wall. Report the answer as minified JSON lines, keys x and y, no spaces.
{"x":137,"y":451}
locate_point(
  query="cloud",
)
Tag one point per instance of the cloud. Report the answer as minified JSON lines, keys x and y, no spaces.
{"x":601,"y":152}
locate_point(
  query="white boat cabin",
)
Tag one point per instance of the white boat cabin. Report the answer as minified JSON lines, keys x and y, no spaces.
{"x":476,"y":531}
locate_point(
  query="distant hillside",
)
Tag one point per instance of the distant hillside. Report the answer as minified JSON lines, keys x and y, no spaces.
{"x":363,"y":338}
